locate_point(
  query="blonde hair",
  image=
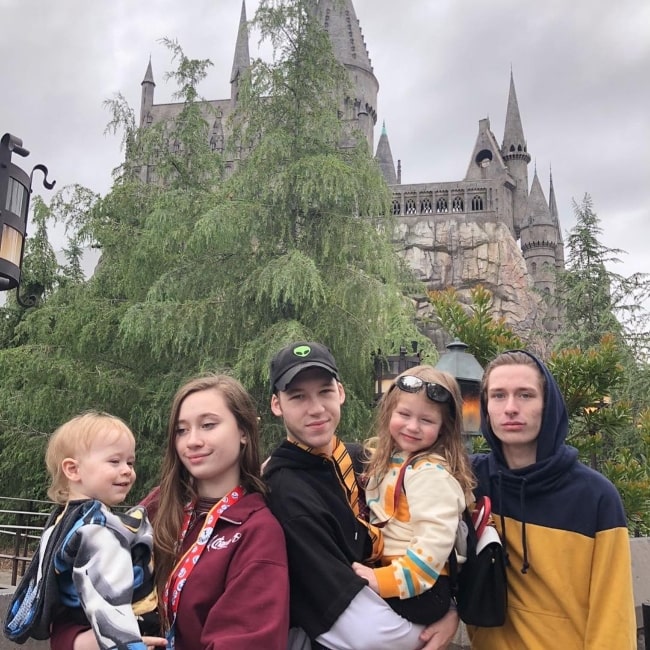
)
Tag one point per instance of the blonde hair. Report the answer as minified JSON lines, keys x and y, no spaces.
{"x":72,"y":439}
{"x":449,"y":444}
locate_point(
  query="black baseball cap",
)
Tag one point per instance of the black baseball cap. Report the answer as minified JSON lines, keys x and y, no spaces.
{"x":295,"y":358}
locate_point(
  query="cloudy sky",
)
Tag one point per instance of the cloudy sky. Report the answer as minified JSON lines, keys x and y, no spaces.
{"x":581,"y":68}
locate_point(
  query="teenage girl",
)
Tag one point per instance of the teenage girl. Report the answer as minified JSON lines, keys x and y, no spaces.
{"x":219,"y":554}
{"x":418,"y":482}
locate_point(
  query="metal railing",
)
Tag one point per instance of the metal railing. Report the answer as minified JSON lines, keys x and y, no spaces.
{"x":21,"y":525}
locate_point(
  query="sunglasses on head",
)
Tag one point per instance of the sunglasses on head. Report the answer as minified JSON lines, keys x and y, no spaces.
{"x":412,"y":384}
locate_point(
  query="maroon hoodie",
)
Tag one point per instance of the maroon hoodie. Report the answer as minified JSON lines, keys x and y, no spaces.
{"x":237,"y":597}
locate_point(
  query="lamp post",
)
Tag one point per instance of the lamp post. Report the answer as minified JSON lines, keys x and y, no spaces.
{"x":468,"y":373}
{"x":15,"y":191}
{"x":387,"y":367}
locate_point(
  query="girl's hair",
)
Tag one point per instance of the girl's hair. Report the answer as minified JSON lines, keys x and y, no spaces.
{"x":511,"y":358}
{"x":449,"y":444}
{"x":74,"y":438}
{"x":177,"y":487}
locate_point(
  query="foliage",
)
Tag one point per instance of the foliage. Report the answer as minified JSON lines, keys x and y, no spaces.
{"x":474,"y":325}
{"x":205,"y":271}
{"x":607,"y":430}
{"x":595,"y":300}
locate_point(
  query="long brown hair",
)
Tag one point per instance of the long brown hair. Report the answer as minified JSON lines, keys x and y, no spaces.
{"x":449,"y":444}
{"x":177,"y":487}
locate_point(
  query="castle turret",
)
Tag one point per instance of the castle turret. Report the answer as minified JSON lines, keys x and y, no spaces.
{"x":515,"y":155}
{"x":539,"y":240}
{"x":384,"y":158}
{"x":241,"y":60}
{"x":360,"y":108}
{"x":146,"y":102}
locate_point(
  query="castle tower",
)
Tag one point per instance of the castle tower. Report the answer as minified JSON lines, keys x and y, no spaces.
{"x":539,"y":240}
{"x":384,"y":158}
{"x":360,"y":108}
{"x":146,"y":101}
{"x":515,"y":155}
{"x":241,"y":60}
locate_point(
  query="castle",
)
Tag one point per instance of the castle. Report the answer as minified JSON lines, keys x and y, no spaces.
{"x":494,"y":191}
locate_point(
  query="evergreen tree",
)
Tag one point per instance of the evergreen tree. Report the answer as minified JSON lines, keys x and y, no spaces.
{"x":595,"y":300}
{"x":207,"y":272}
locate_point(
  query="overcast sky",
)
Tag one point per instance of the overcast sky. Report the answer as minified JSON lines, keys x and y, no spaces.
{"x":581,"y":69}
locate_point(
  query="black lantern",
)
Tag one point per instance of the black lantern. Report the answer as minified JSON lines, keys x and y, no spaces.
{"x":15,"y":190}
{"x":387,"y":367}
{"x":468,"y":373}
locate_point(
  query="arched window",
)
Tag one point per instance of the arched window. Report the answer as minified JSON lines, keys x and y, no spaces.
{"x":477,"y":203}
{"x":409,"y":207}
{"x":441,"y":205}
{"x":213,"y":143}
{"x":176,"y":147}
{"x":457,"y":204}
{"x":425,"y":206}
{"x":533,"y":267}
{"x":512,"y":147}
{"x":397,"y":208}
{"x":519,"y":148}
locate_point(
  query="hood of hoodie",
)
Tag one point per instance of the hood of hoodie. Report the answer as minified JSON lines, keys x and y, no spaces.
{"x":554,"y":456}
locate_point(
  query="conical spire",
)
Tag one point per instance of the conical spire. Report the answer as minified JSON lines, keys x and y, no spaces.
{"x":551,"y":199}
{"x":513,"y":133}
{"x":339,"y":20}
{"x":384,"y":158}
{"x":537,"y":211}
{"x":148,"y":75}
{"x":242,"y":59}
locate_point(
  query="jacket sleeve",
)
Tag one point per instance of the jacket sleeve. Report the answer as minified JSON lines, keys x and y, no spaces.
{"x":102,"y":574}
{"x":253,"y":611}
{"x":611,"y":621}
{"x":435,"y":502}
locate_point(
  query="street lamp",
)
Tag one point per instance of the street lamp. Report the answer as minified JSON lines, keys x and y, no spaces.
{"x":468,"y":373}
{"x":387,"y":367}
{"x":15,"y":190}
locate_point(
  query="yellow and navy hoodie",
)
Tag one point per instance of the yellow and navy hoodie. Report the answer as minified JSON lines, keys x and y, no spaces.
{"x":564,"y":529}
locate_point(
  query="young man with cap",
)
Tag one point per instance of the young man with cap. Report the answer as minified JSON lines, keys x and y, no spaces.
{"x":315,"y":496}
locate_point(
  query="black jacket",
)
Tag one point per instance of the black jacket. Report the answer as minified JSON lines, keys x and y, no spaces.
{"x":322,"y":532}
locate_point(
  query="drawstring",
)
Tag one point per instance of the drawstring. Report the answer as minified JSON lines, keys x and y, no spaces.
{"x":503,"y":519}
{"x":522,"y":504}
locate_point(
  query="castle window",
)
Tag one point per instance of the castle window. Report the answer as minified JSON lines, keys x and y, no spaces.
{"x":477,"y":203}
{"x":149,"y":119}
{"x":483,"y":158}
{"x":512,"y":147}
{"x":425,"y":206}
{"x":457,"y":204}
{"x":533,"y":267}
{"x":441,"y":205}
{"x":176,"y":147}
{"x":213,"y":144}
{"x":397,"y":208}
{"x":410,"y":207}
{"x":519,"y":148}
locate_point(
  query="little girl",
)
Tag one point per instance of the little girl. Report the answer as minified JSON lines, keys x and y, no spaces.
{"x":418,"y":477}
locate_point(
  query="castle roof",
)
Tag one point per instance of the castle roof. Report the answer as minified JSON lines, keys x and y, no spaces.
{"x":513,"y":132}
{"x":384,"y":158}
{"x":340,"y":21}
{"x":241,"y":59}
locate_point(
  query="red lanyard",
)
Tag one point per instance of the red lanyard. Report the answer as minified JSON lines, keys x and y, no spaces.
{"x":189,"y":560}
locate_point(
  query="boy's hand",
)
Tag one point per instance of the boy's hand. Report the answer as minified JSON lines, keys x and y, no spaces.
{"x":439,"y":635}
{"x":367,"y":574}
{"x":154,"y":641}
